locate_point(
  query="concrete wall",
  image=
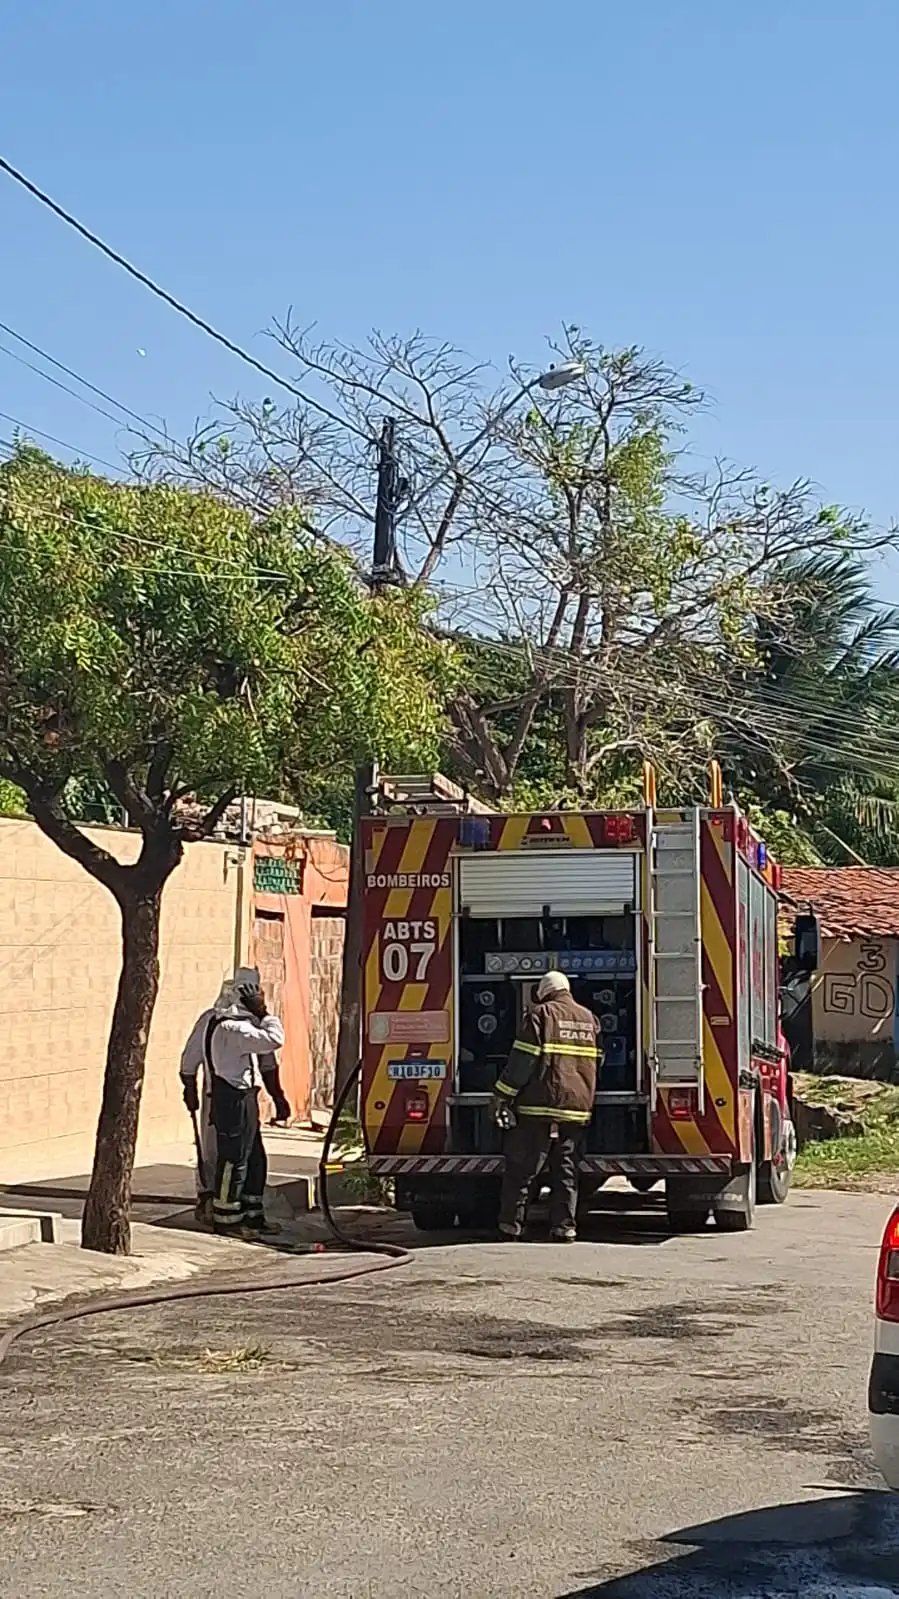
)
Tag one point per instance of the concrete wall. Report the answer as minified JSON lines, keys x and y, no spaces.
{"x":60,"y":961}
{"x":854,"y":1007}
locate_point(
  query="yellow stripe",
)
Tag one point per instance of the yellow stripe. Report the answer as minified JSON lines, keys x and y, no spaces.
{"x":545,"y":1113}
{"x":412,"y":1134}
{"x":691,"y":1138}
{"x":718,"y":1085}
{"x":503,"y":1088}
{"x":227,"y":1171}
{"x":415,"y":849}
{"x":513,"y":833}
{"x":584,"y":1051}
{"x":717,"y":948}
{"x":381,"y":1086}
{"x":412,"y":998}
{"x":527,"y":1049}
{"x":578,"y":831}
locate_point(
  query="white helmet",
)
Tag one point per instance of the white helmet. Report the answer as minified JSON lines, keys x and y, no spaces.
{"x":553,"y":983}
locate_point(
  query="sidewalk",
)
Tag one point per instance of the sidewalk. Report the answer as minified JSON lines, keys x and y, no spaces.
{"x":166,"y":1176}
{"x":166,"y":1243}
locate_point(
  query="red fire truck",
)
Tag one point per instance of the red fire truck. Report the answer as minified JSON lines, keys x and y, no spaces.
{"x":665,"y":921}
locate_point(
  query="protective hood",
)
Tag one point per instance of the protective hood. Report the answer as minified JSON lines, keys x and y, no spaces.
{"x":228,"y":1002}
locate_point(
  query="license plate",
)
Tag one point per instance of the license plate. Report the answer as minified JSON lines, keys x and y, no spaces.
{"x":427,"y":1071}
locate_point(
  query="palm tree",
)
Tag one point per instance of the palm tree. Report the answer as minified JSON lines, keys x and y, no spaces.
{"x":819,"y":734}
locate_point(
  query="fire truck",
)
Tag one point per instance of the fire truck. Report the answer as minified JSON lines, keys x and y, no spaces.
{"x":665,"y":922}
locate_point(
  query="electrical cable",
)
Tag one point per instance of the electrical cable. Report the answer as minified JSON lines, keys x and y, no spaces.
{"x":245,"y":1284}
{"x":170,"y":300}
{"x":48,"y":378}
{"x":70,"y":372}
{"x":83,"y":455}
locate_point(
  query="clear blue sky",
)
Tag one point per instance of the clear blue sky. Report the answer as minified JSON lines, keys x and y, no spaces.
{"x":715,"y":181}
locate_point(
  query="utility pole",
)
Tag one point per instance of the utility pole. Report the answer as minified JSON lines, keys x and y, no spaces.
{"x":384,"y":571}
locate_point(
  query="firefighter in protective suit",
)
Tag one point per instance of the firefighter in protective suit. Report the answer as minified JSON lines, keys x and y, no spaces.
{"x":544,"y":1099}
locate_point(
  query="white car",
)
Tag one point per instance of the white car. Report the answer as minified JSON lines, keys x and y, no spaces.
{"x":883,"y":1390}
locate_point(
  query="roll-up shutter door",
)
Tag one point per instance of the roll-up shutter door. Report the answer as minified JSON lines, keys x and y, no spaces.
{"x":576,"y":883}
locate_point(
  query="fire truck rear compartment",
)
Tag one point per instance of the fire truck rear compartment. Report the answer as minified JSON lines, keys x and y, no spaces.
{"x":501,"y":961}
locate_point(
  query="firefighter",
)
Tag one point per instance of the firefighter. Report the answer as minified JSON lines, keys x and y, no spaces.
{"x":235,"y":1042}
{"x":193,"y":1058}
{"x":544,"y":1099}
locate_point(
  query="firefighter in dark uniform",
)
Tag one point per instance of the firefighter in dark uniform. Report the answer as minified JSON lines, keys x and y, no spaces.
{"x":544,"y":1099}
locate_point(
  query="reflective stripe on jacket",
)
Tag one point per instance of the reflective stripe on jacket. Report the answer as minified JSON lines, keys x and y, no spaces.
{"x":552,"y":1067}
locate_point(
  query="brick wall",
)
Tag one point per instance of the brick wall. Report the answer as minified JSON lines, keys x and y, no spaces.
{"x":325,"y":976}
{"x":60,"y":961}
{"x":311,"y":945}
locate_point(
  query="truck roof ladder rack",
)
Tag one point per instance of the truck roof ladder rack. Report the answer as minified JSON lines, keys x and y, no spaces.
{"x":425,"y":793}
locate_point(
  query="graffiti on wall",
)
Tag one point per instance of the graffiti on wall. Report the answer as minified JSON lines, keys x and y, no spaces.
{"x":863,"y":991}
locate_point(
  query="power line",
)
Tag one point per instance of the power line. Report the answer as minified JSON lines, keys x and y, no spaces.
{"x":49,"y":378}
{"x":240,"y":570}
{"x":169,"y":299}
{"x":70,"y":372}
{"x":84,"y":455}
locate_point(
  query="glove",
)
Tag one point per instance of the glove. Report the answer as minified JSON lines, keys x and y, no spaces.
{"x":282,"y":1108}
{"x":503,"y":1113}
{"x":191,"y":1095}
{"x":253,"y":1000}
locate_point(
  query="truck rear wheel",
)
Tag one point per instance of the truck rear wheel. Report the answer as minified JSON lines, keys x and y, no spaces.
{"x":479,"y":1211}
{"x":433,"y":1215}
{"x":775,"y":1176}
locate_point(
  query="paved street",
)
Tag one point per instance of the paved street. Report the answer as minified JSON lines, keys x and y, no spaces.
{"x":634,"y":1416}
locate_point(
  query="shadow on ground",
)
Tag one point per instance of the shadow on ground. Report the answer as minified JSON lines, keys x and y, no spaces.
{"x":844,"y":1546}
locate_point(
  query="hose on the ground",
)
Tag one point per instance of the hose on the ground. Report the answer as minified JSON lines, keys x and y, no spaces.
{"x":245,"y":1283}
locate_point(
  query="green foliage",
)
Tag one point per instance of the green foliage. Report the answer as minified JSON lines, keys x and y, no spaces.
{"x":12,"y":800}
{"x":154,"y":622}
{"x":814,"y":742}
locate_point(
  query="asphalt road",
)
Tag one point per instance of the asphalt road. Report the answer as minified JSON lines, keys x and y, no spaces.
{"x":633,"y":1417}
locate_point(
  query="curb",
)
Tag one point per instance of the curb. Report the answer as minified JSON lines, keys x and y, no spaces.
{"x":19,"y":1227}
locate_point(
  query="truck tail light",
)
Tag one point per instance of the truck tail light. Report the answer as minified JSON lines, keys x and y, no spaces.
{"x":888,"y":1272}
{"x":416,"y":1107}
{"x":681,"y":1104}
{"x":618,"y":829}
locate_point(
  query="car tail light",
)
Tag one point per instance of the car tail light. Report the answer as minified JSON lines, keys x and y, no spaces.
{"x":416,"y":1107}
{"x":888,"y":1272}
{"x":681,"y":1104}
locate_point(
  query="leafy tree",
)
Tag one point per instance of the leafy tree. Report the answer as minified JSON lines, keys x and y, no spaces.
{"x":811,"y":732}
{"x":612,"y":605}
{"x":159,"y":644}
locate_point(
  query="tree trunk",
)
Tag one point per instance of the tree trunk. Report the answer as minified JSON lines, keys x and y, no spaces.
{"x":349,"y":1034}
{"x":106,"y":1225}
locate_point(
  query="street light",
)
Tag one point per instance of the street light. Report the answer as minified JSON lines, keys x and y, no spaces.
{"x":556,"y":377}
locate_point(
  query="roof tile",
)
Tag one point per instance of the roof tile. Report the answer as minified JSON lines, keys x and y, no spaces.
{"x":850,"y":901}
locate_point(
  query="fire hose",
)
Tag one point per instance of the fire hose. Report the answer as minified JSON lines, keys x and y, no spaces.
{"x":244,"y":1283}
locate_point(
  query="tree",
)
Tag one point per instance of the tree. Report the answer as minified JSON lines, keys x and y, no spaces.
{"x":811,"y":734}
{"x":161,"y":644}
{"x":566,"y":530}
